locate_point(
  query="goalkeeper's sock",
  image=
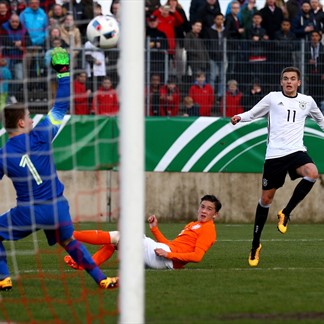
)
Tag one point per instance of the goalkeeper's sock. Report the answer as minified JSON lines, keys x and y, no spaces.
{"x":95,"y":237}
{"x":302,"y":189}
{"x":103,"y":254}
{"x":261,"y":216}
{"x":82,"y":257}
{"x":4,"y":270}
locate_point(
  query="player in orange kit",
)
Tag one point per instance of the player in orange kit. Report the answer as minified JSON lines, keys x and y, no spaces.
{"x":189,"y":246}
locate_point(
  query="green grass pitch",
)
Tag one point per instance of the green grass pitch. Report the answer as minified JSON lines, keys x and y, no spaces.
{"x":286,"y":287}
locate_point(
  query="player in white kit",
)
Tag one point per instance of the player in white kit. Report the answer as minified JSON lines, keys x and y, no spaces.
{"x":286,"y":111}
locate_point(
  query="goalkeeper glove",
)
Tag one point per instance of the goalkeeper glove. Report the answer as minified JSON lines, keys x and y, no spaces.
{"x":60,"y":62}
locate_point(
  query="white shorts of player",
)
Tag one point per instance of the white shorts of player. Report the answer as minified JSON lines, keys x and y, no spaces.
{"x":153,"y":261}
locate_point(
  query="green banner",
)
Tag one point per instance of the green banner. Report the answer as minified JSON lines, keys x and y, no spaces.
{"x":208,"y":144}
{"x":83,"y":143}
{"x":87,"y":143}
{"x":178,"y":144}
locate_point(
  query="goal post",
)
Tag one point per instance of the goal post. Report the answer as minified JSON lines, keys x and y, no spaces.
{"x":132,"y":190}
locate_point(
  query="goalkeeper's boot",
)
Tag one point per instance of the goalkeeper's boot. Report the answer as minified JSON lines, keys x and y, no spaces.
{"x":6,"y":284}
{"x":109,"y":283}
{"x":71,"y":263}
{"x":282,"y":222}
{"x":254,"y":256}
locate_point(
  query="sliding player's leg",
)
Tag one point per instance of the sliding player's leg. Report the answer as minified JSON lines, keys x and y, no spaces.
{"x":78,"y":252}
{"x":97,"y":237}
{"x":102,"y":255}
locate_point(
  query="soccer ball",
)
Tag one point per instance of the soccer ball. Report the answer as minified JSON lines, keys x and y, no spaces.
{"x":103,"y":31}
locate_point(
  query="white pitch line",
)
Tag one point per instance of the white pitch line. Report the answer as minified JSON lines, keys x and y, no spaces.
{"x":275,"y":240}
{"x":266,"y":269}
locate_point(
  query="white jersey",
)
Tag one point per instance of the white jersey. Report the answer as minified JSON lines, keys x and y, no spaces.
{"x":286,"y":121}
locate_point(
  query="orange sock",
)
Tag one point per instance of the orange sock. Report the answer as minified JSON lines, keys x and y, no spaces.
{"x":103,"y":254}
{"x":95,"y":237}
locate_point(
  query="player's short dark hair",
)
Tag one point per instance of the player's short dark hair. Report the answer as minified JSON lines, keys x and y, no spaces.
{"x":11,"y":114}
{"x":214,"y":200}
{"x":290,"y":69}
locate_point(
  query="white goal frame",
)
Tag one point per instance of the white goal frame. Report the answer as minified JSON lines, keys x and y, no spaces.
{"x":132,"y":216}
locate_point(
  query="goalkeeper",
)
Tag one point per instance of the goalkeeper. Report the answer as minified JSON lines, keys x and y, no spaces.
{"x":189,"y":246}
{"x":27,"y":160}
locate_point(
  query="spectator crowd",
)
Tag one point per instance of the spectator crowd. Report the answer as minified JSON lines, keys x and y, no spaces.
{"x":30,"y":30}
{"x":208,"y":63}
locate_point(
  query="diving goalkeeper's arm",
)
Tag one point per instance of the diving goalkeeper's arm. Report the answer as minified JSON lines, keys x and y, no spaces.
{"x":60,"y":62}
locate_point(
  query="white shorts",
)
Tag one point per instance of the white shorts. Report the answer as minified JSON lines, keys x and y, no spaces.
{"x":153,"y":261}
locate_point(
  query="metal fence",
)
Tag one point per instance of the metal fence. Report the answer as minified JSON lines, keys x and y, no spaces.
{"x":251,"y":68}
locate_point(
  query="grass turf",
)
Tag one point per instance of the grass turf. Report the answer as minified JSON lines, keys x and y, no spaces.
{"x":286,"y":287}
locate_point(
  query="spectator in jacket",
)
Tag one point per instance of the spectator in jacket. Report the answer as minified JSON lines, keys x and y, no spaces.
{"x":318,"y":14}
{"x":255,"y":93}
{"x":35,"y":20}
{"x":272,"y":17}
{"x":71,"y":35}
{"x":197,"y":54}
{"x":208,"y":12}
{"x":5,"y":12}
{"x":15,"y":38}
{"x":168,"y":19}
{"x":56,"y":15}
{"x":5,"y":76}
{"x":18,"y":7}
{"x":170,"y":98}
{"x":246,"y":14}
{"x":152,"y":95}
{"x":82,"y":12}
{"x":214,"y":40}
{"x":194,"y":9}
{"x":81,"y":94}
{"x":305,"y":22}
{"x":190,"y":109}
{"x":314,"y":62}
{"x":95,"y":65}
{"x":233,"y":100}
{"x":180,"y":33}
{"x":234,"y":32}
{"x":293,"y":7}
{"x":158,"y":45}
{"x":105,"y":100}
{"x":257,"y":37}
{"x":285,"y":46}
{"x":202,"y":94}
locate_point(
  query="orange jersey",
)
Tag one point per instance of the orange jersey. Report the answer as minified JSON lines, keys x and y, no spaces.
{"x":191,"y":244}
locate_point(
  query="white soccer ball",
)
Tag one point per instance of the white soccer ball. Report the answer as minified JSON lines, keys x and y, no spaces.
{"x":103,"y":31}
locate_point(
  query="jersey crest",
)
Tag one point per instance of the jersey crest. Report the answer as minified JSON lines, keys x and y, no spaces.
{"x":302,"y":104}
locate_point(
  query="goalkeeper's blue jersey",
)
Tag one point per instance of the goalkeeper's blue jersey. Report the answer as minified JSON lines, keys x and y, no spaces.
{"x":27,"y":159}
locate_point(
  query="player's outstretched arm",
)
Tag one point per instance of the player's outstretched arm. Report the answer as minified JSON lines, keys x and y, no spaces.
{"x":235,"y":119}
{"x":60,"y":62}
